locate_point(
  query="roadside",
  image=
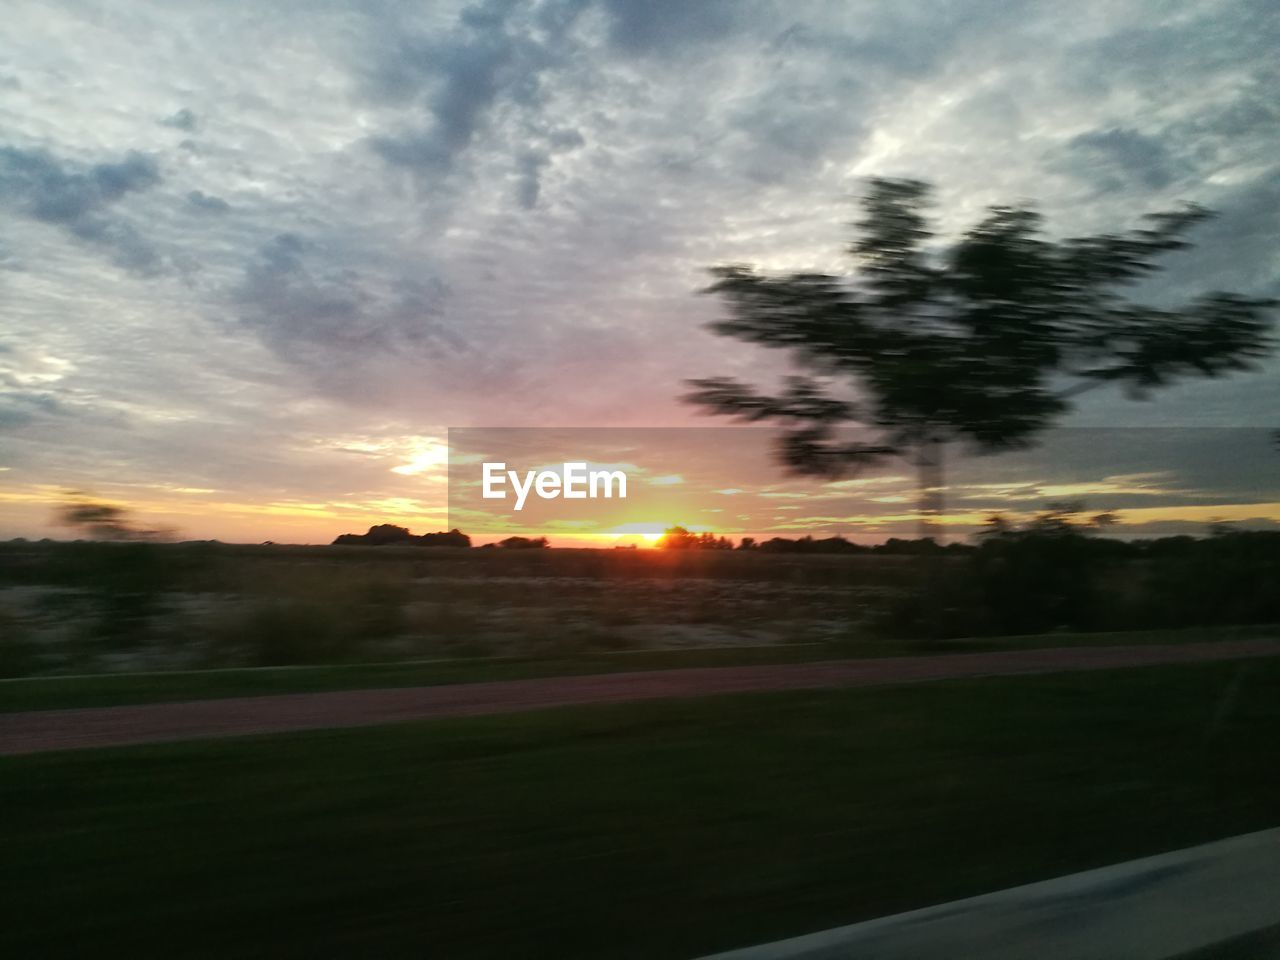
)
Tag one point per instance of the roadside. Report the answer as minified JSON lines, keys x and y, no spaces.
{"x":115,"y":689}
{"x":1213,"y":900}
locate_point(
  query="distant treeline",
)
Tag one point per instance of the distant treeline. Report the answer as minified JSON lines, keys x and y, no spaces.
{"x":1051,"y":531}
{"x":1056,"y":572}
{"x":1055,"y":578}
{"x":893,"y":545}
{"x":991,"y":542}
{"x":388,"y":534}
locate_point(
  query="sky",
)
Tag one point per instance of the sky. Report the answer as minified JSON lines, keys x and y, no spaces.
{"x":256,"y":259}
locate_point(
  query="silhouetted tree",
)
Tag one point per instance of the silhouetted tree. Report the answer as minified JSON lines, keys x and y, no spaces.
{"x":985,"y":343}
{"x":808,"y":544}
{"x":104,"y":521}
{"x":524,"y":543}
{"x":384,"y":533}
{"x":454,"y":538}
{"x":388,"y":534}
{"x":678,"y":538}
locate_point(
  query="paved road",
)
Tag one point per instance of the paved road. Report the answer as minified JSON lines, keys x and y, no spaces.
{"x":39,"y":731}
{"x":1219,"y":900}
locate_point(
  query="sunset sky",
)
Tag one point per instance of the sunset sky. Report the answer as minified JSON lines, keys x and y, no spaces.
{"x":257,"y":259}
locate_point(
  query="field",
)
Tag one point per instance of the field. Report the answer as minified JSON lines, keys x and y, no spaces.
{"x":104,"y":608}
{"x":124,"y":608}
{"x":657,"y":830}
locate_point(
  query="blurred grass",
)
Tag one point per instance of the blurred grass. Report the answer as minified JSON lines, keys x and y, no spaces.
{"x":109,"y":608}
{"x":219,"y":567}
{"x":68,"y":609}
{"x":103,"y":690}
{"x":647,"y":831}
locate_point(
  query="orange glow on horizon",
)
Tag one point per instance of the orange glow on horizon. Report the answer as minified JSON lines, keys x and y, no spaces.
{"x":28,"y":511}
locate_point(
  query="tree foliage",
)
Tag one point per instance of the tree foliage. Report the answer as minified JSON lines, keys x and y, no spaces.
{"x":984,"y":342}
{"x":99,"y":520}
{"x":678,"y":538}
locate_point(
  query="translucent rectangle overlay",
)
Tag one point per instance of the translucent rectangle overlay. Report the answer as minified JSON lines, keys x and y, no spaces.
{"x":731,"y":482}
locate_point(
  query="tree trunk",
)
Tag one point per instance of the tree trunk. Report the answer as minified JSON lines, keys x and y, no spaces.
{"x":930,"y":474}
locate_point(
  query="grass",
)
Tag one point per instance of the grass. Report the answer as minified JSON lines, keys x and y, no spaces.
{"x":647,"y":830}
{"x":101,"y":690}
{"x":103,"y":608}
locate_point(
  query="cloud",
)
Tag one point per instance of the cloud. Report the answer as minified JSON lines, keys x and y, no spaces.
{"x":183,"y":119}
{"x":19,"y":408}
{"x":648,"y":26}
{"x":81,"y":201}
{"x":206,"y":203}
{"x":529,"y":166}
{"x":335,"y":322}
{"x":1118,"y":157}
{"x":474,"y":100}
{"x":457,"y":79}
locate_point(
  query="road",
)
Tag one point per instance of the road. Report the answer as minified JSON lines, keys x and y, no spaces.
{"x":39,"y":731}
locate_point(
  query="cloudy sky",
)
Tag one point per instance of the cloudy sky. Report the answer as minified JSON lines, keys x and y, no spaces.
{"x":256,"y":258}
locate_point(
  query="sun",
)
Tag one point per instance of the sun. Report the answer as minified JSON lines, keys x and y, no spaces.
{"x":649,"y":531}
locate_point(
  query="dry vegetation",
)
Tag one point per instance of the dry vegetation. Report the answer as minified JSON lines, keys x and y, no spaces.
{"x":91,"y":607}
{"x":112,"y":607}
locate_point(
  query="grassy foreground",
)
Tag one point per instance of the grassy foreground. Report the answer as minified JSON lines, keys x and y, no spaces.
{"x":648,"y":831}
{"x":104,"y":690}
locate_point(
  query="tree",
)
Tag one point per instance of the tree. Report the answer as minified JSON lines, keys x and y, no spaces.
{"x":388,"y":534}
{"x":984,"y":343}
{"x":524,"y":543}
{"x":678,"y":538}
{"x":104,"y":521}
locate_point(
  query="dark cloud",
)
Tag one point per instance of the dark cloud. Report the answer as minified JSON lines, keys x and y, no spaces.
{"x":1121,"y":158}
{"x":902,"y":41}
{"x":34,"y":183}
{"x":183,"y":119}
{"x":647,"y":26}
{"x":458,"y":79}
{"x":334,"y":322}
{"x":206,"y":203}
{"x":464,"y":73}
{"x":1252,"y":110}
{"x":529,"y":166}
{"x":1177,"y":53}
{"x":1236,"y":249}
{"x":37,"y":181}
{"x":287,"y":305}
{"x":18,"y":408}
{"x":793,"y":127}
